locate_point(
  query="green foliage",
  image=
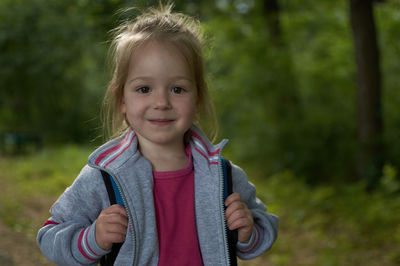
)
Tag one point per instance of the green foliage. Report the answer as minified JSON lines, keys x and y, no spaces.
{"x":388,"y":21}
{"x":286,"y":101}
{"x":389,"y":182}
{"x":293,"y":106}
{"x":30,"y":180}
{"x":48,"y":61}
{"x":252,"y":89}
{"x":331,"y":225}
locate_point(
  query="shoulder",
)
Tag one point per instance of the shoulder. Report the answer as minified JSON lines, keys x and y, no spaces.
{"x":239,"y":177}
{"x":86,"y":197}
{"x":237,"y":171}
{"x":245,"y":188}
{"x":88,"y":179}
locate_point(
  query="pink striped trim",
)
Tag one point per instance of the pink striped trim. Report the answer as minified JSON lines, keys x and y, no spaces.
{"x":49,"y":222}
{"x":120,"y":152}
{"x":81,"y":248}
{"x":112,"y":149}
{"x":87,"y":243}
{"x":256,"y":242}
{"x":199,"y":151}
{"x":194,"y":134}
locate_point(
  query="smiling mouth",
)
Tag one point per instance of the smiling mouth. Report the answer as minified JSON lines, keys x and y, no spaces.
{"x":161,"y":121}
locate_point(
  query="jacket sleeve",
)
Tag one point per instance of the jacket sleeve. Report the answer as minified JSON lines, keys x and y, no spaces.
{"x":68,"y":237}
{"x":265,"y":229}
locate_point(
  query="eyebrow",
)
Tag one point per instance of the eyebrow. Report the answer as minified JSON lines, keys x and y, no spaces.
{"x":145,"y":78}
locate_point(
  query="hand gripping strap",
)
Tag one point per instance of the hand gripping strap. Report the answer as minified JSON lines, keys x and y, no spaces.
{"x":115,"y":198}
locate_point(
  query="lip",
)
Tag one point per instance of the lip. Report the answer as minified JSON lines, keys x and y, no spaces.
{"x":161,"y":122}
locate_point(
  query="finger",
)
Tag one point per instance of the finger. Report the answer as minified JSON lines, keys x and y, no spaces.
{"x":232,"y":198}
{"x":116,"y":218}
{"x":106,"y":234}
{"x":107,"y":228}
{"x":233,"y":207}
{"x":115,"y":229}
{"x":241,"y":223}
{"x":239,"y":214}
{"x":112,"y":218}
{"x":115,"y":238}
{"x":116,"y":208}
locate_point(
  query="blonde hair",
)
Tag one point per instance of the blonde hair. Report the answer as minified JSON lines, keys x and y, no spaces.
{"x":159,"y":25}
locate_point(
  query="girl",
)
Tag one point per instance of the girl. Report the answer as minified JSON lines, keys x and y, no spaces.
{"x":167,"y":172}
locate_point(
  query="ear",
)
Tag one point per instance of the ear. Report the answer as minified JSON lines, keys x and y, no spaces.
{"x":119,"y":96}
{"x":122,"y":106}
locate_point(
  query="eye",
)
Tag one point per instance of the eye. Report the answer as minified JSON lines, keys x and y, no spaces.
{"x":143,"y":90}
{"x":177,"y":90}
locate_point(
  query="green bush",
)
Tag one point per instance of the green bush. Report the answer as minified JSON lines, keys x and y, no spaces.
{"x":337,"y":225}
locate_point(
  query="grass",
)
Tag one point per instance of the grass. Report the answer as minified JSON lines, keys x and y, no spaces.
{"x":330,"y":225}
{"x":30,"y":184}
{"x":31,"y":178}
{"x":324,"y":225}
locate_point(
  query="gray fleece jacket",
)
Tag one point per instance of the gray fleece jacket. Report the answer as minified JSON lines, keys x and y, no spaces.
{"x":68,"y":237}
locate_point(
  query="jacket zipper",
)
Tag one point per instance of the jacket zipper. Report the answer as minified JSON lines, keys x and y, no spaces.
{"x":130,"y":220}
{"x":224,"y":226}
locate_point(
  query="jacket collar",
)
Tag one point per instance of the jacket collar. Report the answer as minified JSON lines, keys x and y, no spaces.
{"x":204,"y":147}
{"x":117,"y":151}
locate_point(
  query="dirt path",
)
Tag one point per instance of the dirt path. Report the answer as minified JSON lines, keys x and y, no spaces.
{"x":18,"y":249}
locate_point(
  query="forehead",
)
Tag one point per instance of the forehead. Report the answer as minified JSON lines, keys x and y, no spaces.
{"x":159,"y":57}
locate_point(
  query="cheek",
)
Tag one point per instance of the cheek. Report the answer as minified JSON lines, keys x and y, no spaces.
{"x":129,"y":104}
{"x":191,"y":109}
{"x":134,"y":109}
{"x":195,"y":105}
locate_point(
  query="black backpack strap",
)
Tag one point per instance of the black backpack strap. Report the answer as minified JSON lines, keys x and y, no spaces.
{"x":109,"y":259}
{"x":109,"y":187}
{"x":232,"y":235}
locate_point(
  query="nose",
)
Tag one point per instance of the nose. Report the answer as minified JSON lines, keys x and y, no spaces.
{"x":161,"y":99}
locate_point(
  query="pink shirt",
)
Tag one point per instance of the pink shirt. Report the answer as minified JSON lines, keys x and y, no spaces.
{"x":176,"y":224}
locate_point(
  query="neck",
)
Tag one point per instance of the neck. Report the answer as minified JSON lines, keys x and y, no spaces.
{"x":164,"y":157}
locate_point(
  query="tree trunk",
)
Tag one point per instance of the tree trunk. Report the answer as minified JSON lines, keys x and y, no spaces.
{"x":285,"y":108}
{"x":370,"y":156}
{"x":272,"y":12}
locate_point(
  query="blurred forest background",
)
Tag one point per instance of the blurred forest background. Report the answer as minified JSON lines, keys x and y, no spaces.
{"x":307,"y":92}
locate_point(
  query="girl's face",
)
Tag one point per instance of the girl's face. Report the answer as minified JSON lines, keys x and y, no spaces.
{"x":159,"y":98}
